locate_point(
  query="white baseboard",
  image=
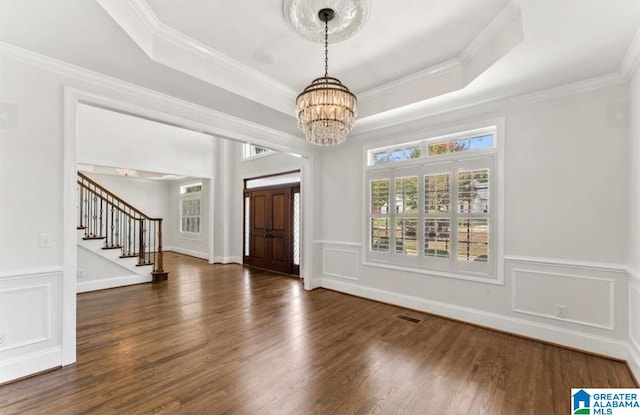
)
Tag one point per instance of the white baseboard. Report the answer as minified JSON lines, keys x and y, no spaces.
{"x":29,"y":364}
{"x":634,"y":359}
{"x":196,"y":254}
{"x":227,"y":260}
{"x":94,"y":285}
{"x":570,"y":338}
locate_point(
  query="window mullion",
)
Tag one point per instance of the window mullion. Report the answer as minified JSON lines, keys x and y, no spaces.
{"x":421,"y":214}
{"x":392,"y":213}
{"x":453,"y":214}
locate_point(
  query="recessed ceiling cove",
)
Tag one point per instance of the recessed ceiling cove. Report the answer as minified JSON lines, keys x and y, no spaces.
{"x":397,"y":55}
{"x":350,"y":17}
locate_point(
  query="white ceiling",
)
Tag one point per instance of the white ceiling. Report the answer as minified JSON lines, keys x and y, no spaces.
{"x":131,"y":174}
{"x":414,"y":54}
{"x":417,"y":33}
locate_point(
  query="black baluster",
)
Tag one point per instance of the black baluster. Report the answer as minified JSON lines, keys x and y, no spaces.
{"x":80,"y":201}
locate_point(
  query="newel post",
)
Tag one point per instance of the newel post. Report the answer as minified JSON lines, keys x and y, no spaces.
{"x":159,"y":274}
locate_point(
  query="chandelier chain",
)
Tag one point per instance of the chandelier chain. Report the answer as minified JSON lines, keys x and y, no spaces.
{"x":326,"y":109}
{"x":326,"y":48}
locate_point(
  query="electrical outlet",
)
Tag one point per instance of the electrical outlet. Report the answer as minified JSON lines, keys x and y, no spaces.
{"x":561,"y":311}
{"x":80,"y":273}
{"x":3,"y":339}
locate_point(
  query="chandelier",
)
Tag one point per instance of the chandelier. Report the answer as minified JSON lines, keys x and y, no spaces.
{"x":326,"y":109}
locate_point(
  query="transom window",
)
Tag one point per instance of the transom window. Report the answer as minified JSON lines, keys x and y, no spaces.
{"x":432,"y":204}
{"x":250,"y":151}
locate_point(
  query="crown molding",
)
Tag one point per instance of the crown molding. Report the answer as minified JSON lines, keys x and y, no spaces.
{"x":503,"y":33}
{"x":228,"y":125}
{"x":485,"y":38}
{"x":180,"y":39}
{"x":632,"y":58}
{"x":419,"y":77}
{"x":144,"y":12}
{"x":380,"y":124}
{"x":170,"y":47}
{"x":497,"y":26}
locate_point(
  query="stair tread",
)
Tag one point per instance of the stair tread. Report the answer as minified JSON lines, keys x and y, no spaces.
{"x":112,"y":247}
{"x":88,"y":238}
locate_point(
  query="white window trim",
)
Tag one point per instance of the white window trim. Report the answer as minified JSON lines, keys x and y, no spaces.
{"x":244,"y":158}
{"x":191,"y":236}
{"x":433,"y":136}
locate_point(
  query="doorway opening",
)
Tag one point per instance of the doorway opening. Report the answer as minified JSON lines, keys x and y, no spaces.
{"x":272,"y":222}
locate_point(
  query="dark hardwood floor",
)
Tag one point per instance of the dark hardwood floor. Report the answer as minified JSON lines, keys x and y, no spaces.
{"x":227,"y":340}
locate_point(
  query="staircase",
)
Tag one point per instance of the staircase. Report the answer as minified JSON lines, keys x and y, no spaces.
{"x":119,"y":233}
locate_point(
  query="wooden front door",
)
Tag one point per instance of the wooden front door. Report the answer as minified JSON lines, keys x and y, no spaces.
{"x":270,"y":230}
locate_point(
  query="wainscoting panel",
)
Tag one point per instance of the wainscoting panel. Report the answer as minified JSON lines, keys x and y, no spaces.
{"x":30,"y":322}
{"x":584,"y":300}
{"x":341,"y":263}
{"x":32,"y":304}
{"x":634,"y":324}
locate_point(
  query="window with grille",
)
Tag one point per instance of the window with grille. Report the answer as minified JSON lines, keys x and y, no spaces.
{"x":190,"y":209}
{"x":250,"y":151}
{"x":432,"y":204}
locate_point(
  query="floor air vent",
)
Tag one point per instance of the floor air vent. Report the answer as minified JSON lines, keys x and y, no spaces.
{"x":409,"y":319}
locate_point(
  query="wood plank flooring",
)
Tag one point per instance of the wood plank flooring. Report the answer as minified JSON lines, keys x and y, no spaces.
{"x":228,"y":340}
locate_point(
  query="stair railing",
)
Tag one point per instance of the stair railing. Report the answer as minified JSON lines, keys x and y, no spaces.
{"x":103,"y":215}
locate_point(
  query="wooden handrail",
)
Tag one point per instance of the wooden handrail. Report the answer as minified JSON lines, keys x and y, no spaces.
{"x":104,"y":215}
{"x":110,"y":194}
{"x":84,"y":186}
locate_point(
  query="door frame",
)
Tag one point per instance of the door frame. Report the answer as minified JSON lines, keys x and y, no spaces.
{"x":127,"y":98}
{"x":294,"y":188}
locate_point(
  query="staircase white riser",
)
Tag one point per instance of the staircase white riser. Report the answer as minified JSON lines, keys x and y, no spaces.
{"x":135,"y":274}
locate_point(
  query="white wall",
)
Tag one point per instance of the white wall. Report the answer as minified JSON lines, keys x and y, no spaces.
{"x":566,"y":182}
{"x":31,"y":188}
{"x":38,"y":155}
{"x":93,"y":268}
{"x":31,"y":277}
{"x":197,"y":246}
{"x":152,"y":197}
{"x":227,"y":249}
{"x":634,"y":224}
{"x":110,"y":138}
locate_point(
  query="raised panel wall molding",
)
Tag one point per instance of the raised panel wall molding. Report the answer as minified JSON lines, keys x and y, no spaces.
{"x":570,"y":338}
{"x":30,"y":300}
{"x":39,"y":292}
{"x":588,"y":265}
{"x":340,"y":263}
{"x":32,"y":273}
{"x":559,"y":289}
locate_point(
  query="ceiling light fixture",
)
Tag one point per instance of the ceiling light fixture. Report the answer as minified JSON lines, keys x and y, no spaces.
{"x":126,"y":172}
{"x":326,"y":109}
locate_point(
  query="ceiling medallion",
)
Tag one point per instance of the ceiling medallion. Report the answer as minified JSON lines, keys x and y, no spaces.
{"x":350,"y":16}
